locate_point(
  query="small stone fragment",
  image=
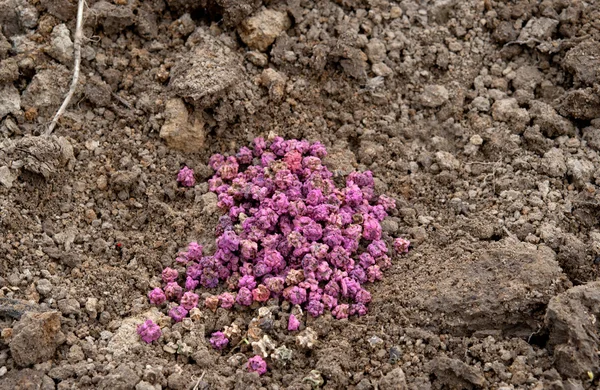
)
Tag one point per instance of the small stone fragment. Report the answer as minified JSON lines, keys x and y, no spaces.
{"x":46,"y":90}
{"x":507,"y":110}
{"x":35,"y":338}
{"x":113,"y":18}
{"x":455,"y":373}
{"x":553,"y":163}
{"x":44,"y":287}
{"x":275,"y":82}
{"x":179,"y":130}
{"x":261,"y":30}
{"x":581,"y":104}
{"x":307,"y":338}
{"x":7,"y":177}
{"x":447,"y":160}
{"x":61,"y":45}
{"x":207,"y":72}
{"x":257,"y":58}
{"x":434,"y":96}
{"x":393,"y":380}
{"x":583,"y":61}
{"x":550,"y":123}
{"x":376,"y":51}
{"x":123,"y":377}
{"x":573,"y":337}
{"x":10,"y":100}
{"x":540,"y":29}
{"x":381,"y":69}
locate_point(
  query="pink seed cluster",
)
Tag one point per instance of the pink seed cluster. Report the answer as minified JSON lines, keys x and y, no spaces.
{"x":257,"y":364}
{"x":149,"y":331}
{"x":186,"y":177}
{"x":287,"y":232}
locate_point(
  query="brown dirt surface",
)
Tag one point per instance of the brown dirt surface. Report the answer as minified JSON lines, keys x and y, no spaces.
{"x":480,"y":117}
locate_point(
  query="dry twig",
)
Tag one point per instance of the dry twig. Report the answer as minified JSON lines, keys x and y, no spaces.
{"x":76,"y":68}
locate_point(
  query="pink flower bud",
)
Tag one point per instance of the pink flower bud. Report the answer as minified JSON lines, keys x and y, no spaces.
{"x":401,"y":245}
{"x":157,"y":296}
{"x":173,"y":291}
{"x":178,"y":313}
{"x":189,"y":300}
{"x":293,"y":323}
{"x":186,"y":177}
{"x":261,"y":293}
{"x":218,"y":340}
{"x":257,"y":364}
{"x":226,"y":300}
{"x":169,"y":275}
{"x":149,"y":331}
{"x":244,"y":297}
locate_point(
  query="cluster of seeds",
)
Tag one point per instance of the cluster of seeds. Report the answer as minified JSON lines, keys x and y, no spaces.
{"x":287,"y":232}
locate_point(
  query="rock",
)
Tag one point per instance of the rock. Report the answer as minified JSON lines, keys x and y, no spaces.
{"x":44,"y":287}
{"x":10,"y":100}
{"x":507,"y":110}
{"x":75,"y":354}
{"x":16,"y":16}
{"x":434,"y":96}
{"x":179,"y":130}
{"x":61,"y":45}
{"x":261,"y":30}
{"x":257,"y":58}
{"x":573,"y":336}
{"x":146,"y":22}
{"x":592,"y":136}
{"x":381,"y":69}
{"x":7,"y":177}
{"x":393,"y":380}
{"x":527,"y":78}
{"x":113,"y":18}
{"x":354,"y":63}
{"x":550,"y":123}
{"x":98,"y":92}
{"x":455,"y":374}
{"x":540,"y":29}
{"x":9,"y":70}
{"x":47,"y":90}
{"x":143,"y":385}
{"x":376,"y":51}
{"x":275,"y":82}
{"x":69,"y":306}
{"x":22,"y":380}
{"x":447,"y":161}
{"x":505,"y":32}
{"x":581,"y":104}
{"x":481,"y":104}
{"x":500,"y":287}
{"x":35,"y":338}
{"x":122,"y":378}
{"x":583,"y":61}
{"x":205,"y":74}
{"x":65,"y":10}
{"x":125,"y":339}
{"x":5,"y":46}
{"x":580,"y":170}
{"x":209,"y":201}
{"x":41,"y":155}
{"x":553,"y":163}
{"x":91,"y":307}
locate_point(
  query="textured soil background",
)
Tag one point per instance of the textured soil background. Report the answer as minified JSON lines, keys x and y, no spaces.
{"x":480,"y":117}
